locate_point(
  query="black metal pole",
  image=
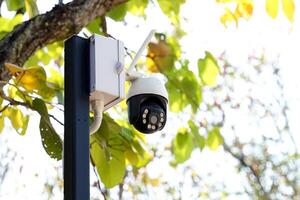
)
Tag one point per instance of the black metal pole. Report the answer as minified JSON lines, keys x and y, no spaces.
{"x":76,"y":135}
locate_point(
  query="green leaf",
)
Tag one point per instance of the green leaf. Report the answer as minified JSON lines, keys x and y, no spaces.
{"x":118,"y":13}
{"x":7,"y":24}
{"x":208,"y":69}
{"x":40,"y":106}
{"x":171,"y":9}
{"x":56,"y":80}
{"x":111,"y":146}
{"x":135,"y":153}
{"x":214,"y":139}
{"x":52,"y":51}
{"x":132,"y":157}
{"x":182,"y":145}
{"x":31,"y":8}
{"x":110,"y":166}
{"x":199,"y":140}
{"x":137,"y":7}
{"x":184,"y":88}
{"x":177,"y":99}
{"x":51,"y":141}
{"x":13,"y":5}
{"x":107,"y":152}
{"x":94,"y":26}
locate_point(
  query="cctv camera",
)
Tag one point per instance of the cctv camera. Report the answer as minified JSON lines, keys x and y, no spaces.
{"x":147,"y":104}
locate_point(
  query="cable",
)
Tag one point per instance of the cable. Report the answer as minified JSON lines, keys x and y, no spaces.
{"x":97,"y":108}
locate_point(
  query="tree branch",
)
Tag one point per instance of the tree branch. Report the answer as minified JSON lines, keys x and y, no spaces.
{"x":241,"y":158}
{"x":60,"y":23}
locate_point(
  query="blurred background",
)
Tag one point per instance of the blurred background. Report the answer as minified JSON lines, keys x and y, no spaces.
{"x":231,"y":69}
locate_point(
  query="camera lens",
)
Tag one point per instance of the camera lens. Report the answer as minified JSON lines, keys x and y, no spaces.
{"x":153,"y":119}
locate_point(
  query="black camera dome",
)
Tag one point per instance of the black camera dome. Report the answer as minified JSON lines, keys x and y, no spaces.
{"x":147,"y":112}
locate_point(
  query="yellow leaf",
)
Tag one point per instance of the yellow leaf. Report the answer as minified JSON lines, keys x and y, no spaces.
{"x":272,"y":8}
{"x":228,"y":16}
{"x":154,"y":182}
{"x":288,"y":7}
{"x":160,"y":55}
{"x":14,"y":69}
{"x":16,"y":117}
{"x":1,"y":123}
{"x":244,"y":9}
{"x":32,"y":79}
{"x":31,"y":8}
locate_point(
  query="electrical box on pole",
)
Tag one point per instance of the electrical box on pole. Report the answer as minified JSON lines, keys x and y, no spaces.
{"x":107,"y":74}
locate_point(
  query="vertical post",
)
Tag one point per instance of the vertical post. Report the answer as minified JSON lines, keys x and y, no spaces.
{"x":76,"y":134}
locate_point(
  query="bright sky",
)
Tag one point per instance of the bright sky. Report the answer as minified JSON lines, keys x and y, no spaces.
{"x":205,"y":33}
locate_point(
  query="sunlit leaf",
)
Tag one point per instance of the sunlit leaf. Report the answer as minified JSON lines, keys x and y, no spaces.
{"x":1,"y":123}
{"x":183,"y":88}
{"x":107,"y":152}
{"x":17,"y":119}
{"x":13,"y":5}
{"x":132,"y":157}
{"x":137,"y":7}
{"x":214,"y":139}
{"x":244,"y":9}
{"x":228,"y":16}
{"x":118,"y":13}
{"x":208,"y":69}
{"x":160,"y":56}
{"x":55,"y":79}
{"x":272,"y":8}
{"x":31,"y":8}
{"x":32,"y":79}
{"x":288,"y":7}
{"x":171,"y":9}
{"x":45,"y":55}
{"x":177,"y":99}
{"x":8,"y":24}
{"x":94,"y":26}
{"x":182,"y":145}
{"x":199,"y":140}
{"x":110,"y":166}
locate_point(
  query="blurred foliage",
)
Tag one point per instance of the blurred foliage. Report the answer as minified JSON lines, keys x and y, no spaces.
{"x":38,"y":86}
{"x":244,"y":9}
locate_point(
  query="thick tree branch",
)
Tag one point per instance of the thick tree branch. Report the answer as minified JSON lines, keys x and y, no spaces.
{"x":60,"y":23}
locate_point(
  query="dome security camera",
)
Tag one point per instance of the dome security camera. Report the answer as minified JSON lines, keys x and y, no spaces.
{"x":147,"y":97}
{"x":147,"y":102}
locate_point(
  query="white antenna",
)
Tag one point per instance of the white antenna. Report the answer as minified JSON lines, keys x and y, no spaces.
{"x":140,"y":51}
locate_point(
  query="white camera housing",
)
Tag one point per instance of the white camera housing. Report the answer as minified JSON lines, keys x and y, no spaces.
{"x":107,"y":74}
{"x":147,"y":85}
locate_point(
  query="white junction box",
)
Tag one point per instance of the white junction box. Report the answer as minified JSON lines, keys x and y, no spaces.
{"x":107,"y":74}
